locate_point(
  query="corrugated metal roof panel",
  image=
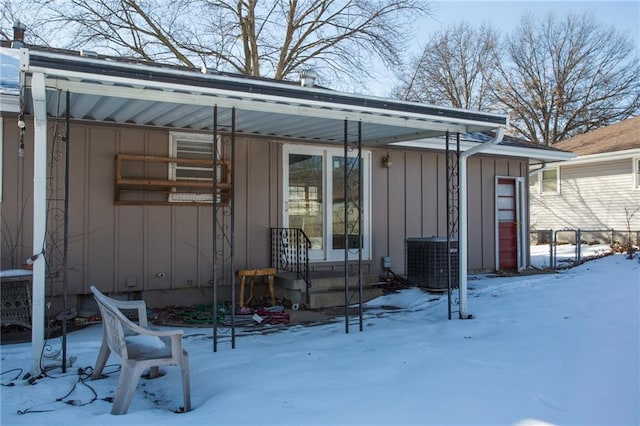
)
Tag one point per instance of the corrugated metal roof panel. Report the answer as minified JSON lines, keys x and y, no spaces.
{"x":118,"y":91}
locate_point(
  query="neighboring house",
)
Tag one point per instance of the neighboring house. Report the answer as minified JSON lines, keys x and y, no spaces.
{"x":141,"y":218}
{"x":597,"y":190}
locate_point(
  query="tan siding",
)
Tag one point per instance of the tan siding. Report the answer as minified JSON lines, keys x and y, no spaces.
{"x":204,"y":243}
{"x":110,"y":243}
{"x":413,"y":191}
{"x":488,"y":235}
{"x":185,"y":257}
{"x":430,"y":185}
{"x":101,"y":261}
{"x":158,"y":248}
{"x":241,"y":204}
{"x":380,"y":209}
{"x":475,"y":233}
{"x":78,"y":281}
{"x":258,"y":191}
{"x":130,"y":247}
{"x":403,"y":213}
{"x":397,"y":208}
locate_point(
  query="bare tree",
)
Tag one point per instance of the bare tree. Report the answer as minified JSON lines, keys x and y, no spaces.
{"x":275,"y":38}
{"x":565,"y":77}
{"x":454,"y":69}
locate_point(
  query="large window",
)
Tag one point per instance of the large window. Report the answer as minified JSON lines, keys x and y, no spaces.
{"x":315,"y":200}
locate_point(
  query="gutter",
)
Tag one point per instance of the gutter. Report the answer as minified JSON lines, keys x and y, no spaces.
{"x":464,"y":217}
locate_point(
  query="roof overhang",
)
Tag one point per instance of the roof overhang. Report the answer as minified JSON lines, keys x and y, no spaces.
{"x":605,"y":156}
{"x":117,"y":91}
{"x":534,"y":154}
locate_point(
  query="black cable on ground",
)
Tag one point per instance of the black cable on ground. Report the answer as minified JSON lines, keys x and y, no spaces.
{"x":83,"y":375}
{"x":10,"y":382}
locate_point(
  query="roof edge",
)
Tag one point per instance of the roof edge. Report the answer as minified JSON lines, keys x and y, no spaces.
{"x":56,"y":62}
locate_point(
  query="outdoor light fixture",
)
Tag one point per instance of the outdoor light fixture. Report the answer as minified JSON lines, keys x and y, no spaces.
{"x":386,"y":161}
{"x":22,"y":126}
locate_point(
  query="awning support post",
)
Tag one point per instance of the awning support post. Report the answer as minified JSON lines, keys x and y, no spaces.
{"x":464,"y":217}
{"x":39,"y":220}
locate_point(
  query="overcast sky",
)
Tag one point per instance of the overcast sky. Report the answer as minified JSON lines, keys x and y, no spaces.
{"x":505,"y":15}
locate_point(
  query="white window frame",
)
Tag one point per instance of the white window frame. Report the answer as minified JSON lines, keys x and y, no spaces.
{"x":175,"y":139}
{"x":328,"y":254}
{"x":534,"y":182}
{"x":522,"y":214}
{"x":541,"y":190}
{"x":636,"y":173}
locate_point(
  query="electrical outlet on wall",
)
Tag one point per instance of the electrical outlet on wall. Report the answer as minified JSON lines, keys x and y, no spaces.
{"x":386,"y":262}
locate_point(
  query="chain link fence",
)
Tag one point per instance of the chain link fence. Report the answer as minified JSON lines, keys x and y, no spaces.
{"x":562,"y":248}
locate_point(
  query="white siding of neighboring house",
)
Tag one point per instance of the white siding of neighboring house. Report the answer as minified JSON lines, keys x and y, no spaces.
{"x":592,"y":196}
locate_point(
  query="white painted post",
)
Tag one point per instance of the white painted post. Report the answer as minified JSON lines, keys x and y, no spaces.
{"x":39,"y":219}
{"x":463,"y":252}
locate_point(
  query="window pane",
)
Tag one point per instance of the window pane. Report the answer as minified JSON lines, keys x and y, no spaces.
{"x":339,"y":203}
{"x":192,"y":147}
{"x":550,"y":180}
{"x":305,"y":196}
{"x":507,"y":216}
{"x":506,"y":203}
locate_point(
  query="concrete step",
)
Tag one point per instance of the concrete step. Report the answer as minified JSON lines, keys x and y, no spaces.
{"x":327,"y":290}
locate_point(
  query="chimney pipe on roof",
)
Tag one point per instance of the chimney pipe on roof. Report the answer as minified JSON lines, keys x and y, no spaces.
{"x":308,"y":77}
{"x":18,"y":34}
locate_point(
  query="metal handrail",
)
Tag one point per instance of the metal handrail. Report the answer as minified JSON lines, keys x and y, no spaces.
{"x":290,"y":252}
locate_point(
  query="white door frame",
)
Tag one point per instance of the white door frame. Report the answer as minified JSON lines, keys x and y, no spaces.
{"x":328,"y":253}
{"x":521,"y":221}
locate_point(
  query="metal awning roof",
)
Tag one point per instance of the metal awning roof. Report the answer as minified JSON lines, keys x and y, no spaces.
{"x":509,"y":146}
{"x":119,"y":91}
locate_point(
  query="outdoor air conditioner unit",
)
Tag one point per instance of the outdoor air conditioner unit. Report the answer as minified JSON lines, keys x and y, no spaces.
{"x":428,"y":260}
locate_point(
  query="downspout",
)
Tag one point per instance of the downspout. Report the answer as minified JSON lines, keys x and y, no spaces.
{"x":462,"y":237}
{"x":539,"y":169}
{"x":38,"y":92}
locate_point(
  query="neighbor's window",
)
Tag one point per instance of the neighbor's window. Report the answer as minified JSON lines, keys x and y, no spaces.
{"x":549,"y":181}
{"x":636,"y":173}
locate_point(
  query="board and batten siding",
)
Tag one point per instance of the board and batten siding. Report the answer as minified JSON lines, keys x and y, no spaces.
{"x":409,"y":201}
{"x":157,"y":250}
{"x":592,"y":196}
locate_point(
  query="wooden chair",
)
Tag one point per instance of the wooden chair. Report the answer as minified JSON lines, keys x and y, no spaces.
{"x":137,"y":355}
{"x":252,"y":274}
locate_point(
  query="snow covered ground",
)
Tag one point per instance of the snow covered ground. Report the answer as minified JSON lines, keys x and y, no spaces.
{"x":557,"y":348}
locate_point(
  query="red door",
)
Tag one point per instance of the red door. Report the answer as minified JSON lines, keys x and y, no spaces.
{"x":507,"y":225}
